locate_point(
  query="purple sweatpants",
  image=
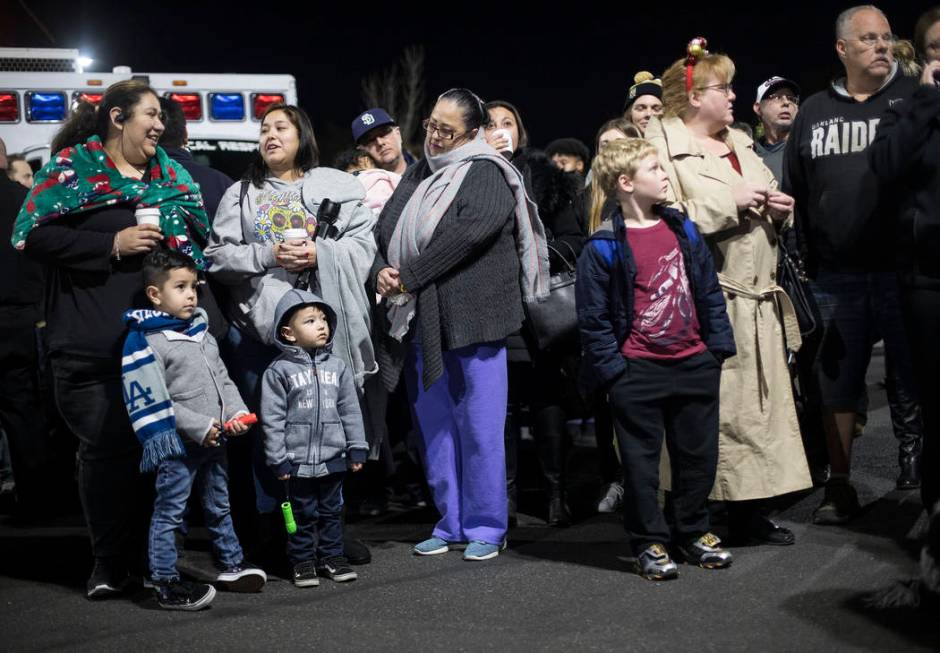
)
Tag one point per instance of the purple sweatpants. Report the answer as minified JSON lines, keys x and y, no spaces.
{"x":461,"y":419}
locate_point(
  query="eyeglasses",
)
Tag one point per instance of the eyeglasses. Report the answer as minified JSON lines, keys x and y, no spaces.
{"x":783,"y":97}
{"x":871,"y":40}
{"x":724,"y":89}
{"x":445,"y":133}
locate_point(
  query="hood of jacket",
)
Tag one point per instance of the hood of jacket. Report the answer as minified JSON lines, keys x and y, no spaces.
{"x":838,"y":85}
{"x":293,"y":298}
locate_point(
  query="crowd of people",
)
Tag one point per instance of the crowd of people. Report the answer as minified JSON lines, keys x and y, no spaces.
{"x":176,"y":308}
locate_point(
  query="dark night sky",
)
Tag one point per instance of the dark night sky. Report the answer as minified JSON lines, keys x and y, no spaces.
{"x":567,"y":68}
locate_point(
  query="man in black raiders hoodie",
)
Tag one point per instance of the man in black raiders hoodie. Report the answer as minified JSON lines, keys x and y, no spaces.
{"x":845,"y":242}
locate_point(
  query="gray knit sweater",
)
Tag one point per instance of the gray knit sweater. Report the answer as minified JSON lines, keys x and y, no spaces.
{"x":466,"y":279}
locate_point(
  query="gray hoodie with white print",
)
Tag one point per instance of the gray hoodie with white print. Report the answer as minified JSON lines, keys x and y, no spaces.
{"x":242,"y":257}
{"x":309,"y":406}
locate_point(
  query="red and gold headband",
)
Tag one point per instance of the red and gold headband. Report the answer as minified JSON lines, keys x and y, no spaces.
{"x":696,"y":49}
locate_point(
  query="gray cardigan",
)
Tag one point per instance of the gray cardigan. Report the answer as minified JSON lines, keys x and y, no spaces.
{"x":466,"y":279}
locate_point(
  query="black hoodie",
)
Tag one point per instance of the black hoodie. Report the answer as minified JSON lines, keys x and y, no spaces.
{"x":826,"y":169}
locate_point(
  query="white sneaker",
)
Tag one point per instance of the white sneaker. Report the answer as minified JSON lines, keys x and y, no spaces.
{"x":612,"y":500}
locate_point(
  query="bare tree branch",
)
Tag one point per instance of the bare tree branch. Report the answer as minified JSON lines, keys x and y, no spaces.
{"x":399,"y":89}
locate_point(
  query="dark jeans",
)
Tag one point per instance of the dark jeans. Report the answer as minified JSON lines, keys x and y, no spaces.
{"x":855,"y":309}
{"x":113,"y":492}
{"x":318,"y":512}
{"x":678,"y":399}
{"x":922,"y":318}
{"x":23,"y":418}
{"x":206,"y":466}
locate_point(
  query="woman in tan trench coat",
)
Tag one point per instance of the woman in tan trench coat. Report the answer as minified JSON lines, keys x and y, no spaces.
{"x":717,"y":179}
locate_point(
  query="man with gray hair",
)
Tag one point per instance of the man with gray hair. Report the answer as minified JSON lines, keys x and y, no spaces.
{"x":846,"y":240}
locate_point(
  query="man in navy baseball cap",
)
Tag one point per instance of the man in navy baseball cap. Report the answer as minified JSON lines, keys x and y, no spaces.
{"x":376,"y":133}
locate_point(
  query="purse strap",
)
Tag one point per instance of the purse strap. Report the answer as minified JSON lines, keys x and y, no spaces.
{"x":571,"y":268}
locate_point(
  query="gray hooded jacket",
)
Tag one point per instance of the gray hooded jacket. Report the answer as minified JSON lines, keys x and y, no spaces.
{"x":241,"y":250}
{"x":309,"y":406}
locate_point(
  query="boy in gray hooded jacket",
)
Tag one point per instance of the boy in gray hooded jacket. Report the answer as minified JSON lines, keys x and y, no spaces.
{"x":312,"y":432}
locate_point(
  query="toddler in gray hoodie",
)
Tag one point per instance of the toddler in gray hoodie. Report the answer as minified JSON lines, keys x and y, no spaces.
{"x":313,"y":432}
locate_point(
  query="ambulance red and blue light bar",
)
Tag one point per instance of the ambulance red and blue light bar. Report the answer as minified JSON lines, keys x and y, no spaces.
{"x":9,"y":107}
{"x":43,"y":106}
{"x":190,"y":103}
{"x":261,"y":101}
{"x":93,"y":99}
{"x":226,"y":106}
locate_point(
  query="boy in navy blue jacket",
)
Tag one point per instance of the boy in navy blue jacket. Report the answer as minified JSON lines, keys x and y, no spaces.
{"x":654,"y":333}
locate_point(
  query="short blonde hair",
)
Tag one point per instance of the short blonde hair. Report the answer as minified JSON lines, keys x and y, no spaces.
{"x":621,"y":156}
{"x":676,"y":97}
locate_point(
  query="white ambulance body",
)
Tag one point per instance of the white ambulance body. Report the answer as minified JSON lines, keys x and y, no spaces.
{"x":39,"y":87}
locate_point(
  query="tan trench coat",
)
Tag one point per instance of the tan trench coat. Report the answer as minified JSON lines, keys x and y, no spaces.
{"x":760,"y":452}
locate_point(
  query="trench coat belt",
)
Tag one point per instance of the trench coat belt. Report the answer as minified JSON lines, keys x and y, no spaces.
{"x":791,"y":327}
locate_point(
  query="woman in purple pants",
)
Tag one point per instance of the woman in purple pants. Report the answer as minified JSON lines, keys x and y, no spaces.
{"x":460,"y":249}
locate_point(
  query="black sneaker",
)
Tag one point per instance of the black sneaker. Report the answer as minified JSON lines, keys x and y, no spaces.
{"x":183,"y":595}
{"x":242,"y":578}
{"x":356,"y":552}
{"x":305,"y":574}
{"x":336,"y":568}
{"x":106,"y":580}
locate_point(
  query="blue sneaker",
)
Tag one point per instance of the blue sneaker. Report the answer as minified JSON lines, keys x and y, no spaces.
{"x":431,"y":547}
{"x":478,"y":550}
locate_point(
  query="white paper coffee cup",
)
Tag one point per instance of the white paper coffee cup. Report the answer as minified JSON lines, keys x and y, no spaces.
{"x":295,"y":234}
{"x":505,"y":133}
{"x":148,"y":216}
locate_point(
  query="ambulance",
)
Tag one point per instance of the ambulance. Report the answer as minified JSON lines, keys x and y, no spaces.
{"x":39,"y":87}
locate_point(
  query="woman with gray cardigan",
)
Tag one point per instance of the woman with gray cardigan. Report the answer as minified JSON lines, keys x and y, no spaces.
{"x":460,"y":248}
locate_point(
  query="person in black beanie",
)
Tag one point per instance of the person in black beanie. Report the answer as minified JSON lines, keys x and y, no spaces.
{"x":644,"y":100}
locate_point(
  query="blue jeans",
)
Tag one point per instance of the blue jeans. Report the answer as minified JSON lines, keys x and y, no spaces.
{"x":318,"y":511}
{"x":857,"y":310}
{"x":208,"y":468}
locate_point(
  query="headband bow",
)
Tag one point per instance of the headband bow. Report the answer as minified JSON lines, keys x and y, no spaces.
{"x":696,"y":49}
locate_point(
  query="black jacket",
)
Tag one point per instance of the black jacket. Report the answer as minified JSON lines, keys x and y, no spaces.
{"x":21,"y":279}
{"x":605,"y":296}
{"x":558,"y":196}
{"x":87,"y":292}
{"x":840,"y":215}
{"x":466,"y":279}
{"x":212,"y":182}
{"x":907,"y":153}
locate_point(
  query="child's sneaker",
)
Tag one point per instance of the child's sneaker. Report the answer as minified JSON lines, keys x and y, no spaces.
{"x":305,"y":574}
{"x":182,"y":595}
{"x":479,"y":550}
{"x":654,"y":563}
{"x":706,"y":552}
{"x":242,"y":578}
{"x":337,"y":569}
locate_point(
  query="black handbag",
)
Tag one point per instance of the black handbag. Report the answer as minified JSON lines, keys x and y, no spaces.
{"x":555,"y":320}
{"x":792,"y":278}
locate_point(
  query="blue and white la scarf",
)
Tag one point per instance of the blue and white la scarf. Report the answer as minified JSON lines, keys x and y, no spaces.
{"x":146,"y":396}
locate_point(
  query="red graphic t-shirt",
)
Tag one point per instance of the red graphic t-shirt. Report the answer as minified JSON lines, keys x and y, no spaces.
{"x":665,"y":325}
